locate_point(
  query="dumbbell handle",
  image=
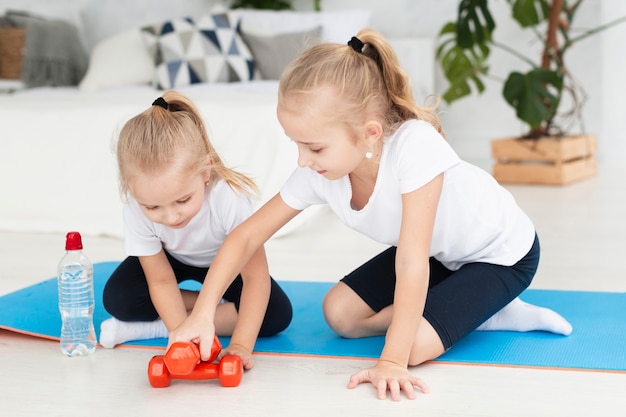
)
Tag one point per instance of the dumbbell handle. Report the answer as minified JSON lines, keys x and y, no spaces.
{"x":202,"y":371}
{"x":229,"y":371}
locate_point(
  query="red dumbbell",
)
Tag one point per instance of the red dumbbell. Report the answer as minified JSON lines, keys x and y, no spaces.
{"x":182,"y":361}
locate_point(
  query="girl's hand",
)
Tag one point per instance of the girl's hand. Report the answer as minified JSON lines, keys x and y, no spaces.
{"x":201,"y":332}
{"x":244,"y":353}
{"x":389,"y":376}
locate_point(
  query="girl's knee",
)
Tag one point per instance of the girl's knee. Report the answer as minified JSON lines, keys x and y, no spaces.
{"x":342,"y":311}
{"x":337,"y":321}
{"x":342,"y":325}
{"x":278,"y":315}
{"x":127,"y":307}
{"x":110,"y":300}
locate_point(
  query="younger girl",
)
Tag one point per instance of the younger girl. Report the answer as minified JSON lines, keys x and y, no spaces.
{"x":461,"y":250}
{"x":182,"y":202}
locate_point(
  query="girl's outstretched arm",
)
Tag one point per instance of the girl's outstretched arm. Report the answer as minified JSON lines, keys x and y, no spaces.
{"x":255,"y":295}
{"x":235,"y":253}
{"x":419,"y":209}
{"x":163,"y":289}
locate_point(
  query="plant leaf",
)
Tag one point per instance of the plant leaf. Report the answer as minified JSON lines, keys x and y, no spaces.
{"x":529,"y":12}
{"x":474,"y":24}
{"x":464,"y":49}
{"x":461,"y":67}
{"x":534,"y":95}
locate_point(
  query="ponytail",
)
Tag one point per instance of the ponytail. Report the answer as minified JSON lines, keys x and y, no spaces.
{"x":234,"y":179}
{"x":396,"y":80}
{"x":169,"y":133}
{"x":367,"y":75}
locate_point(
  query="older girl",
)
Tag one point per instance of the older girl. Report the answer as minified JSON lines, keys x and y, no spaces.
{"x":460,"y":248}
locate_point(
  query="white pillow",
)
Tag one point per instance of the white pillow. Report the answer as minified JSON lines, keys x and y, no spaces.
{"x":122,"y":59}
{"x":337,"y":26}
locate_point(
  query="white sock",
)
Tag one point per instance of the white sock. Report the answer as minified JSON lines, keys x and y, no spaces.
{"x":114,"y":331}
{"x":519,"y":316}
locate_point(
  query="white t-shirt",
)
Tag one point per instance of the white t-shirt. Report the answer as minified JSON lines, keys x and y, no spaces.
{"x":477,"y":219}
{"x":196,"y":244}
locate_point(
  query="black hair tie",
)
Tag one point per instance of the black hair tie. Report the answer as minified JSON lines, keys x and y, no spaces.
{"x":160,"y":102}
{"x":356,"y":44}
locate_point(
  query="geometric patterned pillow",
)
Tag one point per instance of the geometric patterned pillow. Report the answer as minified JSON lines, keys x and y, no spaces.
{"x":204,"y":50}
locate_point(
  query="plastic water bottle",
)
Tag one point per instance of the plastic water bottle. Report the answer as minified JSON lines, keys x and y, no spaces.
{"x":76,"y":299}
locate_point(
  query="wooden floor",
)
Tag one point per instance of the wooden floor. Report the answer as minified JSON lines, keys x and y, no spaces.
{"x":583,"y":232}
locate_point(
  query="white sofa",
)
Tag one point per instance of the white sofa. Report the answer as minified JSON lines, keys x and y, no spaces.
{"x":58,"y":170}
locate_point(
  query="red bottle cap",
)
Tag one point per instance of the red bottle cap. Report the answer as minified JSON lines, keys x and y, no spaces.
{"x":73,"y":241}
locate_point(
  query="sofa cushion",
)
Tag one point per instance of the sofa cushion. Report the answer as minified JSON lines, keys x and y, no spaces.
{"x":204,"y":50}
{"x":272,"y":53}
{"x":119,"y":60}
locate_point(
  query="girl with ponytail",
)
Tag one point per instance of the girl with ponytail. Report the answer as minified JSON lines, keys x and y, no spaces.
{"x":181,"y":203}
{"x":460,"y":249}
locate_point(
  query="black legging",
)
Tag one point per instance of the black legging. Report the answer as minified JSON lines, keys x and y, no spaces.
{"x":126,"y":296}
{"x":457,"y":301}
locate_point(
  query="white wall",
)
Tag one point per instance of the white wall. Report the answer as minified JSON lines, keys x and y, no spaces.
{"x":598,"y":63}
{"x":613,"y":73}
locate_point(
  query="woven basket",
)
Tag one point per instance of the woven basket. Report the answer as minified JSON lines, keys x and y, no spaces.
{"x":11,"y":51}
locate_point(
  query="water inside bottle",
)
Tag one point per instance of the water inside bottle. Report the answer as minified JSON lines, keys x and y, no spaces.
{"x":76,"y":304}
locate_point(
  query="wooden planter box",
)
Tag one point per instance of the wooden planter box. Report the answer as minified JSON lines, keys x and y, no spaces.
{"x":553,"y":161}
{"x":11,"y":49}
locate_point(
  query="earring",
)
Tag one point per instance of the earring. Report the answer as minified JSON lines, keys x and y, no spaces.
{"x":368,"y":155}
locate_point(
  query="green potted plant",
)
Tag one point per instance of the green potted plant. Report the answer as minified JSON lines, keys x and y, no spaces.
{"x":546,"y":153}
{"x":270,"y":4}
{"x":262,"y":4}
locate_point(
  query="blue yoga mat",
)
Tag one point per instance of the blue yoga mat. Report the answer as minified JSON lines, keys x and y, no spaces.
{"x":598,"y":341}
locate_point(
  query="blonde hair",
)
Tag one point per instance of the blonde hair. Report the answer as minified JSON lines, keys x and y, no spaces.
{"x":368,"y":83}
{"x":173,"y":137}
